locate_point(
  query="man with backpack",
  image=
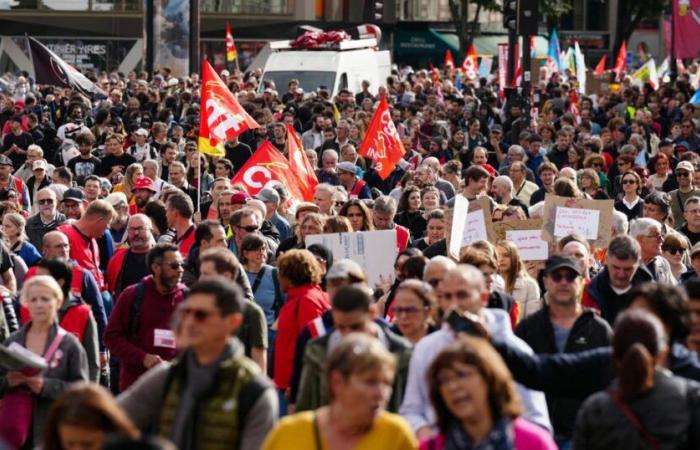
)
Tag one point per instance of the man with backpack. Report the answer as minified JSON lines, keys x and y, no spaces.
{"x":138,"y":332}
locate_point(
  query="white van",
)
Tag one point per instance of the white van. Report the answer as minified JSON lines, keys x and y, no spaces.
{"x":343,"y":68}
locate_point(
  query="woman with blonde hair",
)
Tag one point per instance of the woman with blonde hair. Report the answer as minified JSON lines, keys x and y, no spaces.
{"x":14,"y":235}
{"x":133,"y":172}
{"x":518,"y":283}
{"x":589,"y":182}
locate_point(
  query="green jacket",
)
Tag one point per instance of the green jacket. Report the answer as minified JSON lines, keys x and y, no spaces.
{"x":313,"y":389}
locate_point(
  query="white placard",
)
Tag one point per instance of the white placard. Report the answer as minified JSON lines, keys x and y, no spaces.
{"x":576,"y":221}
{"x":459,"y":222}
{"x":475,"y":228}
{"x":531,"y":246}
{"x":374,"y":251}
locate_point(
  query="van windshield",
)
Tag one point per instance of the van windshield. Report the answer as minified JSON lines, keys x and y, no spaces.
{"x":309,"y":80}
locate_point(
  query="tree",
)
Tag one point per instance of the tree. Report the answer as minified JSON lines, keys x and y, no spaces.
{"x":466,"y":30}
{"x":630,"y":13}
{"x":552,"y":10}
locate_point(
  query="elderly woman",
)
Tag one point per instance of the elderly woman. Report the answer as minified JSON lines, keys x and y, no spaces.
{"x":65,"y":358}
{"x":359,"y":376}
{"x":299,"y":277}
{"x":14,"y":235}
{"x":476,"y":403}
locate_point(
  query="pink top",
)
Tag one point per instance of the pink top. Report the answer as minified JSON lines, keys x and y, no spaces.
{"x":528,"y":436}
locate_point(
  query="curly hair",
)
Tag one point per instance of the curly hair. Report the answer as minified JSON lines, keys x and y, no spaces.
{"x":299,"y":267}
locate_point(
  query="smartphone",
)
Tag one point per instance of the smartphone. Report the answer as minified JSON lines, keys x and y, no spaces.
{"x":461,"y":324}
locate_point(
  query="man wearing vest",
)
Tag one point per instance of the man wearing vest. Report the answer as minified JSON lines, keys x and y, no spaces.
{"x":7,"y":181}
{"x":128,"y":265}
{"x":356,"y":188}
{"x":212,"y":396}
{"x":138,"y":332}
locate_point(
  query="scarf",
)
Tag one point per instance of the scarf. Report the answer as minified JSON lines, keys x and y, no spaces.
{"x":499,"y":438}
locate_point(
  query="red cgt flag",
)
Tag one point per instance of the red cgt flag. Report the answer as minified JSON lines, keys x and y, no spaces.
{"x":300,"y":167}
{"x":231,"y":53}
{"x":382,"y":142}
{"x":221,"y":116}
{"x":600,"y":68}
{"x":621,"y":61}
{"x":469,"y":66}
{"x":449,"y":62}
{"x":267,"y":164}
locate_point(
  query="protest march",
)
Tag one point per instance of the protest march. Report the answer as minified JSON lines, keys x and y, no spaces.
{"x":435,"y":260}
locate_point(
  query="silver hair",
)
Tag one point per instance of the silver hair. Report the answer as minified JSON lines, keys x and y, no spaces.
{"x":620,"y":223}
{"x":641,"y":226}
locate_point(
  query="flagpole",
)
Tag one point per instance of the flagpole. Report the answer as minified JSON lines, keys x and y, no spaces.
{"x":199,"y":182}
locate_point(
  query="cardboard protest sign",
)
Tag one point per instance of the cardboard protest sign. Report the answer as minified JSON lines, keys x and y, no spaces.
{"x":527,"y":237}
{"x":469,"y":222}
{"x":590,"y":218}
{"x":374,"y":251}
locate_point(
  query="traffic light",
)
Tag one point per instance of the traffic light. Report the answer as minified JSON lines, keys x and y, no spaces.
{"x":527,"y":17}
{"x":374,"y":11}
{"x":510,"y":14}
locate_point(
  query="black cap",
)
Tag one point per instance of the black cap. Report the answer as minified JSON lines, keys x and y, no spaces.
{"x":73,"y":194}
{"x":665,"y":142}
{"x":557,"y":262}
{"x":5,"y":161}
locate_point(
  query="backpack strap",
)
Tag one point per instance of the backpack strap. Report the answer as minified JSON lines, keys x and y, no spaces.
{"x":258,"y":280}
{"x":633,"y":419}
{"x":135,"y":311}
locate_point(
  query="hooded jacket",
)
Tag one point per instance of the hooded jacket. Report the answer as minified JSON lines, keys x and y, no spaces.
{"x":600,"y":296}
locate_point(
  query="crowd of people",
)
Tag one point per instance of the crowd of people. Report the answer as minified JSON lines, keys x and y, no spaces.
{"x":175,"y":310}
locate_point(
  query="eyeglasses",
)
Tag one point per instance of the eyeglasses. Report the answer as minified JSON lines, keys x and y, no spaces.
{"x":408,"y":310}
{"x":174,"y":265}
{"x":249,"y":228}
{"x":199,"y":315}
{"x":569,"y":276}
{"x":658,"y":237}
{"x":628,"y":181}
{"x":45,"y":201}
{"x":674,"y":251}
{"x":682,"y":174}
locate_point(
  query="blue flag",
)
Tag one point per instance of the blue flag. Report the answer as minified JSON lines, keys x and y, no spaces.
{"x":695,"y":99}
{"x":554,"y":51}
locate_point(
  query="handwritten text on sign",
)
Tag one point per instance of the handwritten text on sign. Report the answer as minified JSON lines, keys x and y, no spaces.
{"x":475,"y":228}
{"x":575,"y":220}
{"x":530,"y":245}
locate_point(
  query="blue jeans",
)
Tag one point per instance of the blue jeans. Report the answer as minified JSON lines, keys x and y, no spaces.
{"x":283,"y":402}
{"x":563,"y":443}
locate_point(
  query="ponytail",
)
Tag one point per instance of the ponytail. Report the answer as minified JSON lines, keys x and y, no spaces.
{"x":636,"y":372}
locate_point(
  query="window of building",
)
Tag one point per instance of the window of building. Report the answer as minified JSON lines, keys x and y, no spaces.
{"x":247,"y":6}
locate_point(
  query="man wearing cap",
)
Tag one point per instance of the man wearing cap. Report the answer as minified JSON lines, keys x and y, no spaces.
{"x":347,"y":175}
{"x":9,"y":181}
{"x":271,"y":199}
{"x":143,"y":191}
{"x":142,"y":149}
{"x":85,"y":164}
{"x":73,"y":203}
{"x":684,"y":176}
{"x":38,"y":181}
{"x":563,"y":326}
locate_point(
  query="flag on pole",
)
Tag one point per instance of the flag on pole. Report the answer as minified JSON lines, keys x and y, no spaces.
{"x":600,"y":68}
{"x":554,"y":53}
{"x":231,"y":53}
{"x":265,"y":166}
{"x":51,"y":70}
{"x":695,"y":99}
{"x":449,"y":62}
{"x":469,"y":66}
{"x":382,"y":142}
{"x":221,"y":116}
{"x":580,"y":68}
{"x":301,"y":169}
{"x":647,"y":74}
{"x":621,"y":60}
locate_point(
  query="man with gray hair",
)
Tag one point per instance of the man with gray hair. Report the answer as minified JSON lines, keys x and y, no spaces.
{"x":515,"y":153}
{"x":608,"y":291}
{"x":522,"y":187}
{"x":649,"y":234}
{"x":620,"y":223}
{"x":502,"y":192}
{"x":464,"y":290}
{"x":691,"y":214}
{"x":47,"y":219}
{"x":383,"y":213}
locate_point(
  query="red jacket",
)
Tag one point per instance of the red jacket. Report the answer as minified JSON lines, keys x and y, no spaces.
{"x":304,"y":304}
{"x":84,"y":251}
{"x":156,"y":311}
{"x":114,"y":268}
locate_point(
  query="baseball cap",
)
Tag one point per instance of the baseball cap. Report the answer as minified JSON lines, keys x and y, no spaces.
{"x":141,"y":132}
{"x":239,"y":198}
{"x":695,"y":249}
{"x":5,"y":161}
{"x":39,"y":164}
{"x":557,"y":262}
{"x":73,"y":194}
{"x":682,"y":145}
{"x":685,"y":165}
{"x":665,"y":142}
{"x":344,"y":269}
{"x":144,"y":183}
{"x":346,"y":166}
{"x":268,"y":195}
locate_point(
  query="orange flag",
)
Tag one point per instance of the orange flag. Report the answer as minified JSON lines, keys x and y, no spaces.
{"x":469,"y":66}
{"x":221,"y":116}
{"x":231,"y":53}
{"x":300,"y":168}
{"x":449,"y":62}
{"x":382,"y":142}
{"x":600,"y":68}
{"x":621,"y":61}
{"x":267,"y":164}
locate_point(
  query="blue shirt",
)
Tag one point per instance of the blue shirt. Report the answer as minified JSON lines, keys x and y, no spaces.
{"x":29,"y":254}
{"x":282,"y":226}
{"x":265,"y":293}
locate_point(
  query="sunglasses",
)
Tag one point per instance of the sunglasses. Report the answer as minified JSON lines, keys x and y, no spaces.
{"x":174,"y":265}
{"x":45,"y":201}
{"x":682,"y":174}
{"x":629,"y":181}
{"x":199,"y":315}
{"x":570,"y":277}
{"x":674,"y":251}
{"x":249,"y":228}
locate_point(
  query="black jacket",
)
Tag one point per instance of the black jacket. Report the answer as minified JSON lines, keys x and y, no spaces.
{"x":599,"y":293}
{"x":589,"y":332}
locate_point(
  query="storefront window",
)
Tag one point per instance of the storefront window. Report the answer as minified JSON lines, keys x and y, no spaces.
{"x":66,"y":5}
{"x":247,"y":6}
{"x":18,"y":4}
{"x":116,"y":5}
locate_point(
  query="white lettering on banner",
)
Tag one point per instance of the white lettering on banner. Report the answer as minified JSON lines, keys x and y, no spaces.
{"x":530,"y":245}
{"x":576,"y":220}
{"x":475,"y":228}
{"x":252,"y":172}
{"x":220,"y":121}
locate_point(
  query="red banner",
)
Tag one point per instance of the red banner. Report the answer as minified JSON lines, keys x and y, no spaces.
{"x":382,"y":142}
{"x":300,"y":167}
{"x":267,"y":164}
{"x":686,"y":22}
{"x":221,"y":116}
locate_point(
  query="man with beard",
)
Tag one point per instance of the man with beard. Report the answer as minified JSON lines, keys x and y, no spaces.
{"x":138,"y":332}
{"x":128,"y":265}
{"x":143,"y":191}
{"x":502,"y":192}
{"x":85,"y":164}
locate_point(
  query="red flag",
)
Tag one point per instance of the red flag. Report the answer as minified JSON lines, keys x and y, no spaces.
{"x":621,"y":61}
{"x":449,"y":62}
{"x":267,"y":164}
{"x":221,"y":116}
{"x":686,"y":28}
{"x":470,"y":66}
{"x":600,"y":68}
{"x":573,"y":106}
{"x":382,"y":142}
{"x":231,"y":53}
{"x":300,"y":167}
